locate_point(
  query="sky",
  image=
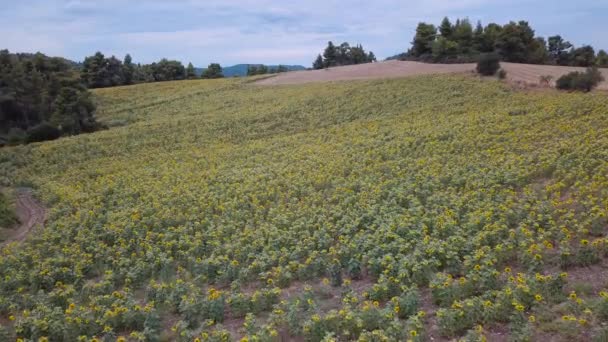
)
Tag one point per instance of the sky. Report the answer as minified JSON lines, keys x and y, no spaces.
{"x":266,"y":31}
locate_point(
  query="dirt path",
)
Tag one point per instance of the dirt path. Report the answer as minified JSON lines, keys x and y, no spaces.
{"x":526,"y":73}
{"x":30,"y":213}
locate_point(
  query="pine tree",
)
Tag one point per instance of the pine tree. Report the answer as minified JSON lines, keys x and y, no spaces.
{"x":446,"y":28}
{"x":330,"y":55}
{"x":190,"y":73}
{"x":318,"y":63}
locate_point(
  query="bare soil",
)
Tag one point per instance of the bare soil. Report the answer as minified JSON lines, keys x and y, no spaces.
{"x":518,"y":73}
{"x":30,"y":213}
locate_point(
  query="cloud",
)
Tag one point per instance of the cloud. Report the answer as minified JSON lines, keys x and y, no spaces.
{"x":262,"y":31}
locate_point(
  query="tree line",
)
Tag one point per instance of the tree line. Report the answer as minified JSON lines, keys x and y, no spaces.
{"x":514,"y":42}
{"x":261,"y":69}
{"x":344,"y":54}
{"x":99,"y":71}
{"x":42,"y":98}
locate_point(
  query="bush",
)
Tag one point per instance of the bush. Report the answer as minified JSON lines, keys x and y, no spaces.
{"x":582,"y":81}
{"x":43,"y":131}
{"x":488,"y":64}
{"x":502,"y":74}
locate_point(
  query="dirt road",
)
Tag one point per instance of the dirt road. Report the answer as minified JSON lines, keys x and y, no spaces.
{"x":30,"y":213}
{"x":527,"y":73}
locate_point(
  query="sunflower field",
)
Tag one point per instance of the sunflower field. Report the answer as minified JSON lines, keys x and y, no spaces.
{"x":439,"y":207}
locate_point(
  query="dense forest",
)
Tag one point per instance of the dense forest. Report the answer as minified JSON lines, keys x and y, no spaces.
{"x":99,"y":71}
{"x":514,"y":42}
{"x":344,"y":54}
{"x":42,"y":98}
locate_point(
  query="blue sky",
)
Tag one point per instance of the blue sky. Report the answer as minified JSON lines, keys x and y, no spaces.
{"x":266,"y":31}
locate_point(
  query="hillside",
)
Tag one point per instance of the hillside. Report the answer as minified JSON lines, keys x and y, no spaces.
{"x":526,"y":73}
{"x":422,"y":208}
{"x":240,"y":70}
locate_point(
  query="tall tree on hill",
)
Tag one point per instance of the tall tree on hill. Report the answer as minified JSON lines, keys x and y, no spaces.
{"x":583,"y":56}
{"x":478,"y":37}
{"x":190,"y":73}
{"x":94,"y":71}
{"x":371,"y":57}
{"x":602,"y":59}
{"x":490,"y":36}
{"x":318,"y":63}
{"x":463,"y":36}
{"x":423,"y":41}
{"x":128,"y":70}
{"x":558,"y":50}
{"x":515,"y":41}
{"x":214,"y":70}
{"x":446,"y":28}
{"x":330,"y":55}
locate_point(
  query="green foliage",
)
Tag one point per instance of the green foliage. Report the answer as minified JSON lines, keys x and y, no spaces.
{"x":343,"y":55}
{"x":190,"y":72}
{"x":602,"y":59}
{"x":424,"y":39}
{"x":41,"y":132}
{"x":43,"y":97}
{"x":100,"y":72}
{"x":488,"y":64}
{"x":514,"y":42}
{"x":7,"y":213}
{"x":214,"y":70}
{"x":581,"y":81}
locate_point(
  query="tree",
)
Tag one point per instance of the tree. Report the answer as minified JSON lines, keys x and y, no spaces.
{"x":490,"y":37}
{"x":463,"y":36}
{"x":371,"y":57}
{"x":42,"y":98}
{"x":94,"y":71}
{"x":214,"y":70}
{"x":478,"y":37}
{"x":583,"y":56}
{"x":446,"y":28}
{"x":558,"y":50}
{"x":601,"y":59}
{"x":252,"y":70}
{"x":282,"y":68}
{"x":318,"y":63}
{"x":190,"y":73}
{"x":515,"y":41}
{"x":128,"y":70}
{"x":330,"y":55}
{"x":444,"y":48}
{"x":423,"y":40}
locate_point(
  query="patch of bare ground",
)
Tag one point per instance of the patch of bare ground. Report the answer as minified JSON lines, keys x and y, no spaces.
{"x":29,"y":212}
{"x":520,"y":75}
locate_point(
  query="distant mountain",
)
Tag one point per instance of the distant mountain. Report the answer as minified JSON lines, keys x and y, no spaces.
{"x":240,"y":70}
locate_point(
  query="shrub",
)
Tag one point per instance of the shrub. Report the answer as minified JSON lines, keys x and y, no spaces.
{"x":582,"y":81}
{"x":43,"y":131}
{"x":502,"y":74}
{"x":488,"y":64}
